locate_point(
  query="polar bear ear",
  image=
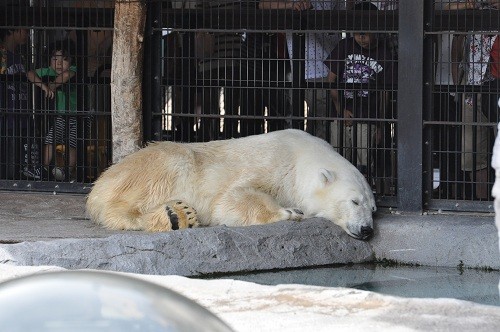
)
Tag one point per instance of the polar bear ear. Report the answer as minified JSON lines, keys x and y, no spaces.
{"x":327,"y":176}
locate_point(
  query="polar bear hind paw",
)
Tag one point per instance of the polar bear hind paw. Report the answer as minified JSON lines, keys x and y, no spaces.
{"x":181,"y":215}
{"x":294,"y":214}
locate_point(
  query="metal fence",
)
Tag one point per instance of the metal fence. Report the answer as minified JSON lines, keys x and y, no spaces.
{"x":54,"y":94}
{"x":392,"y":85}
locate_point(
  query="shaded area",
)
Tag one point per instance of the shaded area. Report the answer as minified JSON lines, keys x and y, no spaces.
{"x":421,"y":282}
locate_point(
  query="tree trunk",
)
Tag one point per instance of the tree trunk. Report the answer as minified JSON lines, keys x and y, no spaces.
{"x":126,"y":77}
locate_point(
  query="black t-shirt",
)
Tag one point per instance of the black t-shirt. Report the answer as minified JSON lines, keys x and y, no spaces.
{"x":373,"y":68}
{"x":13,"y":94}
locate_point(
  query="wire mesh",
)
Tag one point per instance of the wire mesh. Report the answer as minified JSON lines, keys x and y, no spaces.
{"x":239,"y":68}
{"x":464,"y":113}
{"x":55,"y":98}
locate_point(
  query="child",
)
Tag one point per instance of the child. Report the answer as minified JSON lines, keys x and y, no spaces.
{"x":364,"y":58}
{"x":59,"y":72}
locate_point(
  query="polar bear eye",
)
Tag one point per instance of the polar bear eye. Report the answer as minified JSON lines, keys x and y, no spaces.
{"x":355,"y":202}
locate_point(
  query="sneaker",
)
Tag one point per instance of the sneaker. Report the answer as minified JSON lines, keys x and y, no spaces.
{"x":33,"y":173}
{"x":58,"y":174}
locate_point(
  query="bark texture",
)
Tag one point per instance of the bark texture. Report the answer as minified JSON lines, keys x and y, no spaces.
{"x":126,"y":77}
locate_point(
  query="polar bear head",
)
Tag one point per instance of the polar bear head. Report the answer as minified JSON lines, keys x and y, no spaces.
{"x":348,"y":202}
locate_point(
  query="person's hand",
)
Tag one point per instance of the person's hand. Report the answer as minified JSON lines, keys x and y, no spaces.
{"x":470,"y":4}
{"x":49,"y":93}
{"x":494,"y":3}
{"x":61,"y":79}
{"x":65,"y":76}
{"x":302,"y":5}
{"x":348,"y":115}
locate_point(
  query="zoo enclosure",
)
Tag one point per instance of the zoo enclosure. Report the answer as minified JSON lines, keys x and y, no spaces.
{"x":419,"y":141}
{"x":86,"y":31}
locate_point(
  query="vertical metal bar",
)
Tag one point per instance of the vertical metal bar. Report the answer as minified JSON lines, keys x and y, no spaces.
{"x":430,"y":131}
{"x":188,"y":84}
{"x":152,"y":74}
{"x":147,"y":74}
{"x":82,"y":104}
{"x":410,"y":77}
{"x":298,"y":77}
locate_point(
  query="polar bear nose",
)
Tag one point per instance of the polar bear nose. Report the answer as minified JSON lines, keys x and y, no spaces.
{"x":366,"y":232}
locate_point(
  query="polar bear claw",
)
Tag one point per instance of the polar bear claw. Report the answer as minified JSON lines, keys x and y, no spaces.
{"x":294,"y":214}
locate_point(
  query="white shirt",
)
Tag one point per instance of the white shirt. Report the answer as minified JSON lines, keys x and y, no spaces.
{"x":444,"y":44}
{"x":387,"y":4}
{"x":318,"y":45}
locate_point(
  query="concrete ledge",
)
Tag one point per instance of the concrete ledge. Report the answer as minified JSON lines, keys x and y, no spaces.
{"x":449,"y":240}
{"x":193,"y":252}
{"x":42,"y":229}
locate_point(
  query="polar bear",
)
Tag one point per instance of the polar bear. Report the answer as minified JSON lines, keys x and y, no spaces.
{"x":281,"y":175}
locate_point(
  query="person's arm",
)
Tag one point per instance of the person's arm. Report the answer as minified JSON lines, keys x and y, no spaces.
{"x":332,"y":77}
{"x":37,"y":81}
{"x":469,"y":4}
{"x":387,"y":78}
{"x":334,"y":92}
{"x":62,"y":78}
{"x":284,"y":4}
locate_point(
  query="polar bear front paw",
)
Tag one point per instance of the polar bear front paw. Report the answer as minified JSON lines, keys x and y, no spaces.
{"x":181,"y":215}
{"x":293,"y":214}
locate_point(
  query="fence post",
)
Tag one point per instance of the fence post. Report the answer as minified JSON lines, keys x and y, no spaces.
{"x":410,"y":92}
{"x":153,"y":98}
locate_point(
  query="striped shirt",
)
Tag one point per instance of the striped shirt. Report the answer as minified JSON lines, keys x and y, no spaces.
{"x":226,"y":45}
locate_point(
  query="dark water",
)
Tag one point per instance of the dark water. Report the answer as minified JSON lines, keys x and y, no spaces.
{"x":422,"y":282}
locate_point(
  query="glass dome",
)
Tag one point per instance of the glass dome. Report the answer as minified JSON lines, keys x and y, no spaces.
{"x":98,"y":301}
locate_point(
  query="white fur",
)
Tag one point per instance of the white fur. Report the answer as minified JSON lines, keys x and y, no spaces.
{"x":251,"y":180}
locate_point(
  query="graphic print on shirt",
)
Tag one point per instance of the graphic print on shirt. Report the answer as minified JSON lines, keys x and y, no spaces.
{"x":360,"y":69}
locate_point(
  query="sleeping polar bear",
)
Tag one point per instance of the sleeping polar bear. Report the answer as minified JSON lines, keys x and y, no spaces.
{"x":282,"y":175}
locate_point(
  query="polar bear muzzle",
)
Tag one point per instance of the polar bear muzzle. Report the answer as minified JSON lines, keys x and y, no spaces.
{"x":364,"y":233}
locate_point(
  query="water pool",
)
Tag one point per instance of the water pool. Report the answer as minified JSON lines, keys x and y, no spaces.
{"x":423,"y":282}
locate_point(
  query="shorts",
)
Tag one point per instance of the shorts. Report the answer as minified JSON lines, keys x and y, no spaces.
{"x":58,"y":132}
{"x":356,"y":148}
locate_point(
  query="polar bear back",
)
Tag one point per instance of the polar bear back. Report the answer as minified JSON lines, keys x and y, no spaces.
{"x":283,"y":163}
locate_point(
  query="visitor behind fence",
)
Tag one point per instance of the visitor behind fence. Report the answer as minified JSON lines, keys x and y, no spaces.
{"x":445,"y":138}
{"x":180,"y":69}
{"x":477,"y":139}
{"x":317,"y":48}
{"x":217,"y":68}
{"x":492,"y":91}
{"x":53,"y":81}
{"x":18,"y":149}
{"x":367,"y":59}
{"x":262,"y":65}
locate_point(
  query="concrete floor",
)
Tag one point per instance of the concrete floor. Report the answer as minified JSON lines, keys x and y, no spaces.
{"x":42,"y":232}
